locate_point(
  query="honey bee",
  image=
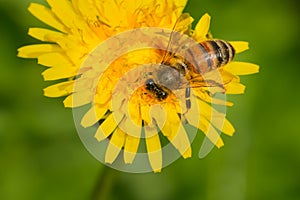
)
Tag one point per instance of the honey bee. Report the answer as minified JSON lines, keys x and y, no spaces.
{"x":177,"y":71}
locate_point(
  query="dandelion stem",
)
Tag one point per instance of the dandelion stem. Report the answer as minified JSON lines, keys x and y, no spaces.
{"x":104,"y":184}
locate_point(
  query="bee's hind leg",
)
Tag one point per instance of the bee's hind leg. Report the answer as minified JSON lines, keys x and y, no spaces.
{"x":187,"y":99}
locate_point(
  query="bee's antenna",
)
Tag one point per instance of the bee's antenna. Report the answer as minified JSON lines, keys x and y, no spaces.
{"x":171,"y":36}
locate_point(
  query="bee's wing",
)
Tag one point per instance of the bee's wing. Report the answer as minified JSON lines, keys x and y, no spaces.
{"x":180,"y":24}
{"x":178,"y":36}
{"x":217,"y":79}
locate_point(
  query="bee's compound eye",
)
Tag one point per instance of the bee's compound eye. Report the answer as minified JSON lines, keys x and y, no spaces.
{"x":150,"y":81}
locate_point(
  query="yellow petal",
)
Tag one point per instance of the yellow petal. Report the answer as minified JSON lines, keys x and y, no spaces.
{"x":84,"y":84}
{"x":188,"y":20}
{"x":220,"y":122}
{"x":219,"y":102}
{"x":202,"y":28}
{"x":54,"y":58}
{"x":180,"y":141}
{"x":216,"y":118}
{"x":172,"y":122}
{"x":107,"y":7}
{"x":210,"y":132}
{"x":104,"y":96}
{"x":241,"y":68}
{"x":234,"y":88}
{"x":179,"y":4}
{"x":60,"y":89}
{"x":93,"y":115}
{"x":45,"y":35}
{"x":115,"y":146}
{"x":78,"y":99}
{"x":153,"y":148}
{"x":207,"y":110}
{"x":145,"y":111}
{"x":228,"y":129}
{"x":175,"y":132}
{"x":59,"y":72}
{"x":84,"y":7}
{"x":200,"y":121}
{"x":71,"y":43}
{"x":129,"y":127}
{"x":193,"y":115}
{"x":78,"y":55}
{"x":45,"y":15}
{"x":64,"y":11}
{"x":239,"y":46}
{"x":135,"y":111}
{"x":130,"y":149}
{"x":159,"y":114}
{"x":106,"y":128}
{"x":206,"y":97}
{"x":35,"y":51}
{"x":184,"y":23}
{"x":90,"y":10}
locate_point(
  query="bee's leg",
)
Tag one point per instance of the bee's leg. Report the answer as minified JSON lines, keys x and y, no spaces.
{"x":213,"y":83}
{"x":187,"y":98}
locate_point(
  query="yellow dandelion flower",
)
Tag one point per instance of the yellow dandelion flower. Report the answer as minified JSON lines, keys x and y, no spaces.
{"x":121,"y":57}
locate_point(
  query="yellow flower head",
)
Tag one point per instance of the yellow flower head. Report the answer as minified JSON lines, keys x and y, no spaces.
{"x":112,"y":55}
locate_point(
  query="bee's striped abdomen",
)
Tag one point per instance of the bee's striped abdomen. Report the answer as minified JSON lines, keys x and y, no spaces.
{"x":209,"y":55}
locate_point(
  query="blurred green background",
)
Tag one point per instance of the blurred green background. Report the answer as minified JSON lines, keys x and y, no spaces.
{"x":42,"y":157}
